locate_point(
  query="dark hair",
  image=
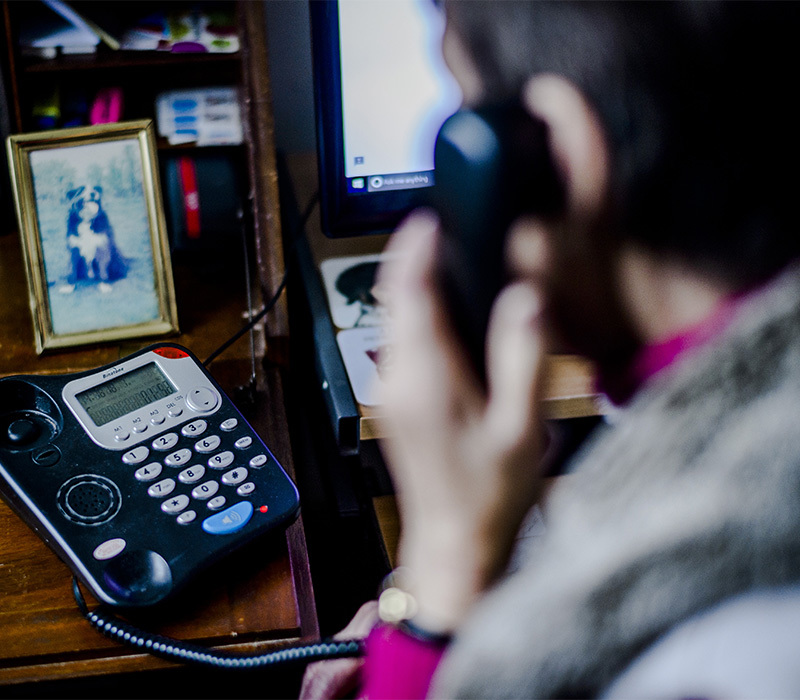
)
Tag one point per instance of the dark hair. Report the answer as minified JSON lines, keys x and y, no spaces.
{"x":697,"y":102}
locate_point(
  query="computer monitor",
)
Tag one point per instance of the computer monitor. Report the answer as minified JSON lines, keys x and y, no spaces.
{"x":382,"y":92}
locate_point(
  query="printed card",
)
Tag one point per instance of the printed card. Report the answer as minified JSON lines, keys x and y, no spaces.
{"x":350,"y":287}
{"x":366,"y":354}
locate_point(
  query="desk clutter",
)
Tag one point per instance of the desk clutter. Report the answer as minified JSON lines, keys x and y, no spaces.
{"x":53,"y":28}
{"x":43,"y":636}
{"x":53,"y":36}
{"x":360,"y":319}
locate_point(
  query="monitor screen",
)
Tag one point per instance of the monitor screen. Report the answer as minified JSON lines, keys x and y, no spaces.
{"x":382,"y":93}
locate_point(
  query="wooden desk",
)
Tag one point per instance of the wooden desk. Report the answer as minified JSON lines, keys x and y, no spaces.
{"x":258,"y":598}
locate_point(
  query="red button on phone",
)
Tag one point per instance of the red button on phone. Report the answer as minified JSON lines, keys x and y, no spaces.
{"x":171,"y":353}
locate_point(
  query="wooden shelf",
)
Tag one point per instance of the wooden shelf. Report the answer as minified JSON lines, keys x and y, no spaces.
{"x":123,"y":60}
{"x":261,"y":596}
{"x":569,"y":393}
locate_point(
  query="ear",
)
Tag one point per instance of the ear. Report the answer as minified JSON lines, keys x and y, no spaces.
{"x":577,"y":138}
{"x":71,"y":194}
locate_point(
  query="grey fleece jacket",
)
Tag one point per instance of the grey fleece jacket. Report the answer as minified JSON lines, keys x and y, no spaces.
{"x":691,"y":496}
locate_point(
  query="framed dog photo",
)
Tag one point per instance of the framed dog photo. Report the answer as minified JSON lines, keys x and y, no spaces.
{"x":89,"y":208}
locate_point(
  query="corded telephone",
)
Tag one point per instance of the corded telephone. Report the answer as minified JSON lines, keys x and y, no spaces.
{"x":137,"y":474}
{"x":85,"y":459}
{"x":492,"y":165}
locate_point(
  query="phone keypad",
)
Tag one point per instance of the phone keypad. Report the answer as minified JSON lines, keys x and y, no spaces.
{"x":165,"y":442}
{"x":258,"y":461}
{"x":176,"y":504}
{"x":178,"y":458}
{"x":161,"y":488}
{"x":196,"y":427}
{"x":191,"y":475}
{"x":207,"y":445}
{"x":212,"y":470}
{"x":221,"y":460}
{"x":246,"y":489}
{"x":136,"y":455}
{"x":148,"y":472}
{"x":205,"y":490}
{"x":234,"y":476}
{"x":217,"y":502}
{"x":186,"y":517}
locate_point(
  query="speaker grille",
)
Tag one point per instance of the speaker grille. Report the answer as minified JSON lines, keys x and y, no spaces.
{"x":89,"y":499}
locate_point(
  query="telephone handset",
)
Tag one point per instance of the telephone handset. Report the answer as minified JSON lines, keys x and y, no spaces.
{"x":137,"y":474}
{"x":492,"y":165}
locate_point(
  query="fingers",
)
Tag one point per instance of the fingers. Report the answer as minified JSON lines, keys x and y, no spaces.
{"x":324,"y":680}
{"x":339,"y":678}
{"x":362,"y":623}
{"x":515,"y":358}
{"x":410,"y":252}
{"x":424,"y":343}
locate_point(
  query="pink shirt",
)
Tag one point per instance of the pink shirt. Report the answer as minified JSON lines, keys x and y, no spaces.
{"x":657,"y":356}
{"x":398,"y":666}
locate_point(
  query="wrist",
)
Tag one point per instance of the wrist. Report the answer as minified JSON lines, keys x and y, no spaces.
{"x":399,"y":608}
{"x":446,"y":583}
{"x":467,"y":556}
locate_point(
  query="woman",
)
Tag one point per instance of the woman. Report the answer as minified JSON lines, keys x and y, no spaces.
{"x":672,"y":267}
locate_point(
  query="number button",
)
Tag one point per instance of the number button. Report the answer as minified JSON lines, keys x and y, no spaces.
{"x":234,"y":476}
{"x":246,"y":489}
{"x":176,"y":504}
{"x":196,"y":427}
{"x":216,"y":503}
{"x":208,"y":444}
{"x":186,"y":517}
{"x":229,"y":424}
{"x":192,"y":474}
{"x":205,"y":490}
{"x":258,"y":461}
{"x":162,"y":488}
{"x":165,"y":442}
{"x":179,"y":457}
{"x":136,"y":455}
{"x":222,"y":460}
{"x":148,"y":472}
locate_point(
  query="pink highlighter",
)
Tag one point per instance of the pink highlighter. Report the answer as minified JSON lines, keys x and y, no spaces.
{"x":107,"y":106}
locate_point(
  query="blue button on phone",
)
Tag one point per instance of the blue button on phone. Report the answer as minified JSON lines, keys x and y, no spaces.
{"x":229,"y":520}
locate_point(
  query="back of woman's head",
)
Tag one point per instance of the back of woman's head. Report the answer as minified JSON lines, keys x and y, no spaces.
{"x":696,"y":101}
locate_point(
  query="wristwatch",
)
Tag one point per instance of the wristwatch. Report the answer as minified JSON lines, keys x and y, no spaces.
{"x":398,"y":607}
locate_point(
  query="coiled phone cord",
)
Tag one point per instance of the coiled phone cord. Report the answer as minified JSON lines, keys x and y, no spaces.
{"x":177,"y":650}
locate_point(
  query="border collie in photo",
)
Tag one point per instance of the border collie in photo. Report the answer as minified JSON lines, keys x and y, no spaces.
{"x":93,"y":254}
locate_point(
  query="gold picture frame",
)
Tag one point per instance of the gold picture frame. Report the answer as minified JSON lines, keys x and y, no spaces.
{"x":94,"y":240}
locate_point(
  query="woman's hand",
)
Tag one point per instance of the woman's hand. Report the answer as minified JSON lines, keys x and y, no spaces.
{"x":338,"y":678}
{"x":464,"y":460}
